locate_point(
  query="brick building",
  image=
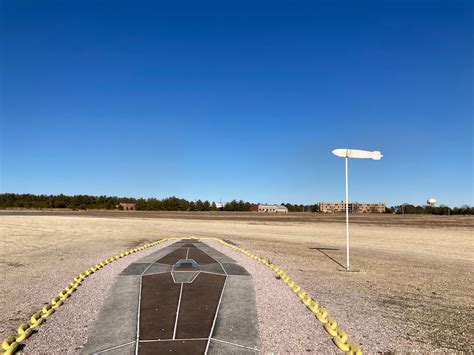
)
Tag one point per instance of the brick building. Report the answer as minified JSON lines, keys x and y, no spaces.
{"x":354,"y":207}
{"x":126,"y":206}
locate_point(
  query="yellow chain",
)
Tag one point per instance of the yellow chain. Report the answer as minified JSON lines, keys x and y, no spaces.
{"x":339,"y":336}
{"x":11,"y":343}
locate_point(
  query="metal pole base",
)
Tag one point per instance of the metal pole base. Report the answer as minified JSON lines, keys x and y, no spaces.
{"x":348,"y":270}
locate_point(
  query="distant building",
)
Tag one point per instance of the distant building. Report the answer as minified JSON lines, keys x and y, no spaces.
{"x":126,"y":206}
{"x":253,"y":207}
{"x":361,"y":207}
{"x":354,"y":207}
{"x":272,"y":209}
{"x":333,"y":207}
{"x":220,"y":205}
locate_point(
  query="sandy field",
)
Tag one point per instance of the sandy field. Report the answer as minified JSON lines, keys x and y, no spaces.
{"x":413,"y":290}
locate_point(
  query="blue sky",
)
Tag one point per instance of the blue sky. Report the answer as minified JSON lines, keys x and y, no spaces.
{"x":246,"y":100}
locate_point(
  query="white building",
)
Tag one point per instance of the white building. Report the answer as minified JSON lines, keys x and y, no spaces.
{"x":272,"y":209}
{"x":220,"y":205}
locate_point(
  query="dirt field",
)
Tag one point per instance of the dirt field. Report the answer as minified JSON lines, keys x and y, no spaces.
{"x":414,"y":289}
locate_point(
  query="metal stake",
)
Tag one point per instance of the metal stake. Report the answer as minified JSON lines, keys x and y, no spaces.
{"x":347,"y":214}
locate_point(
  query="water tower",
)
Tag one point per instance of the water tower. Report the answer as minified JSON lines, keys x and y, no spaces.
{"x":431,"y":202}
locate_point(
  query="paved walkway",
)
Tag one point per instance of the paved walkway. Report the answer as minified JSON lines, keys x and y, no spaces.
{"x":187,"y":298}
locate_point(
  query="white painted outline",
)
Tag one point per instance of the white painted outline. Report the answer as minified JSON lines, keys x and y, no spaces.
{"x":218,"y":254}
{"x":140,"y":301}
{"x":114,"y":347}
{"x":240,"y":346}
{"x":162,"y":340}
{"x":177,"y":311}
{"x":138,"y":315}
{"x":195,"y":277}
{"x":157,"y":273}
{"x":162,"y":263}
{"x":217,"y":309}
{"x":209,"y":338}
{"x":212,"y":273}
{"x":190,"y":282}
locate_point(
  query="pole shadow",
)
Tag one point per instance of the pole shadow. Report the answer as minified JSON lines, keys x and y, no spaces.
{"x":321,"y":250}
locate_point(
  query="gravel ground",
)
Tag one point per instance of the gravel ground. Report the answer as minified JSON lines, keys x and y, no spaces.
{"x":66,"y":331}
{"x":413,"y":292}
{"x":285,"y":325}
{"x":385,"y":310}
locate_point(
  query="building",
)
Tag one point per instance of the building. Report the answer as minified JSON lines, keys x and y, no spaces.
{"x":333,"y":207}
{"x":361,"y":207}
{"x":220,"y":205}
{"x":354,"y":207}
{"x":272,"y":209}
{"x":126,"y":206}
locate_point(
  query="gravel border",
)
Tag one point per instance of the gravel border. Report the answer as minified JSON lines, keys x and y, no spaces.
{"x":285,"y":325}
{"x":66,"y":331}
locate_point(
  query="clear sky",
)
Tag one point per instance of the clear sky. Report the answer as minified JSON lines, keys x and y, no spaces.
{"x":246,"y":100}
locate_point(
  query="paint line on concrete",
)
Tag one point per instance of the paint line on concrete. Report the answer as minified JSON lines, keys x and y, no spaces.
{"x":217,"y":311}
{"x":156,"y":340}
{"x":215,"y":308}
{"x":234,"y":344}
{"x":138,"y":315}
{"x":177,"y":310}
{"x":115,"y":347}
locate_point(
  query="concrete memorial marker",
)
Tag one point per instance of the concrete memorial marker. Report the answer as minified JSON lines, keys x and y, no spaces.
{"x":192,"y":299}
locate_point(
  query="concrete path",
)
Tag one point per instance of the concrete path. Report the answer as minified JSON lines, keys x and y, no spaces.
{"x":187,"y":298}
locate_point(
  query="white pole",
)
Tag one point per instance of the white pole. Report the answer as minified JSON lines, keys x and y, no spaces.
{"x":347,"y":215}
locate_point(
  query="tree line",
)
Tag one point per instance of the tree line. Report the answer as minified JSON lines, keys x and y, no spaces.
{"x":82,"y":202}
{"x":301,"y":208}
{"x":407,"y":208}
